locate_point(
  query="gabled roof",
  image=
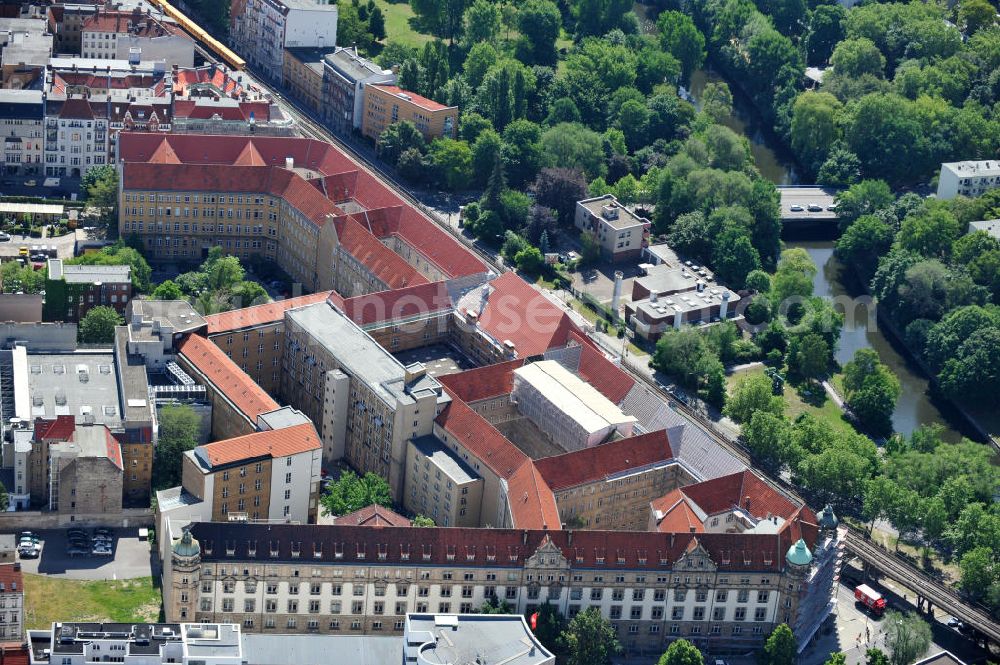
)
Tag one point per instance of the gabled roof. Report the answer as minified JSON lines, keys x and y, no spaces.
{"x":249,"y":398}
{"x":268,"y":443}
{"x":388,"y":266}
{"x":483,"y":382}
{"x":373,"y":515}
{"x":605,"y":460}
{"x":412,"y":97}
{"x":611,"y":380}
{"x":532,"y":504}
{"x":258,"y":315}
{"x":727,"y":492}
{"x":518,"y":312}
{"x":675,"y":514}
{"x":398,"y":304}
{"x":481,"y":438}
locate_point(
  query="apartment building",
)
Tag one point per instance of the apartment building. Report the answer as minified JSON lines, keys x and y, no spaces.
{"x":345,"y":78}
{"x":302,"y":73}
{"x":11,"y":603}
{"x":25,"y":49}
{"x":299,"y":202}
{"x":723,"y":591}
{"x":440,"y":484}
{"x":261,"y":30}
{"x":22,"y":119}
{"x":365,"y":402}
{"x":621,"y":234}
{"x":968,"y":178}
{"x":389,"y":104}
{"x":272,"y":474}
{"x":124,"y":35}
{"x":73,"y":290}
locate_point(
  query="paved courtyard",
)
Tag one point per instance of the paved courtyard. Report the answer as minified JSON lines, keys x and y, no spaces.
{"x":439,"y":359}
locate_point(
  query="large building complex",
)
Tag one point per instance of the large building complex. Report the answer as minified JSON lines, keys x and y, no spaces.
{"x":969,"y":178}
{"x":261,"y":30}
{"x":299,"y":202}
{"x":123,"y":35}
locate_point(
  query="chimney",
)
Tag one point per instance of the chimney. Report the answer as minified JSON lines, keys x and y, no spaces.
{"x":617,"y":294}
{"x":746,"y":503}
{"x":652,"y":296}
{"x":724,"y":307}
{"x":289,"y":163}
{"x":524,"y":537}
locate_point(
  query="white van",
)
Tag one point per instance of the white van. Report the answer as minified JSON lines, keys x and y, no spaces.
{"x":51,"y":182}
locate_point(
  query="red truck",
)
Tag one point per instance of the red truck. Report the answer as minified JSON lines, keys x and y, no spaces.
{"x":870,"y":598}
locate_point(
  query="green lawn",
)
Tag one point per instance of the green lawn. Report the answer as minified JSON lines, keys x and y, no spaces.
{"x":49,"y":599}
{"x":795,"y":405}
{"x":397,"y":24}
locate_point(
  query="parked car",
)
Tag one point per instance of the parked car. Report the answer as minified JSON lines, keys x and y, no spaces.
{"x":29,"y":534}
{"x":796,"y":208}
{"x":101,"y":550}
{"x":29,"y":551}
{"x":4,"y":237}
{"x":814,"y":207}
{"x":103,"y":530}
{"x":30,"y":183}
{"x":956,"y":623}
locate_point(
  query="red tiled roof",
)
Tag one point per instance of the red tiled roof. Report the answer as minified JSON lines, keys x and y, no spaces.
{"x":249,"y":317}
{"x":606,"y":550}
{"x":403,"y":303}
{"x":481,"y":438}
{"x":268,"y":443}
{"x":387,"y":214}
{"x":532,"y":504}
{"x":590,"y":464}
{"x":484,"y":382}
{"x":518,"y":312}
{"x":373,"y":515}
{"x":118,"y":22}
{"x":422,"y":102}
{"x":678,"y":516}
{"x":11,"y":578}
{"x":60,"y":428}
{"x":388,"y":266}
{"x":227,"y":377}
{"x":76,"y":108}
{"x":207,"y":75}
{"x":14,"y":653}
{"x":114,"y":449}
{"x":725,"y":493}
{"x":612,"y":381}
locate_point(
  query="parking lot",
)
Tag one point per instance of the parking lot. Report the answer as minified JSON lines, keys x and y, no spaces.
{"x":130,"y":557}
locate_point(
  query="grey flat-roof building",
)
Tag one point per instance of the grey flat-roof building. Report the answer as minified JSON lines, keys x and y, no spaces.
{"x":364,"y":402}
{"x":439,"y":639}
{"x":185,"y":643}
{"x":440,"y":484}
{"x":345,"y":75}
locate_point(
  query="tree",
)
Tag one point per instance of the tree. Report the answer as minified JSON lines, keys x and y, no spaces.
{"x":453,"y":161}
{"x":503,"y":95}
{"x":376,"y":23}
{"x":482,"y":22}
{"x":597,"y":17}
{"x":929,"y":232}
{"x":98,"y":325}
{"x":826,"y":30}
{"x":349,"y":493}
{"x":854,"y":58}
{"x":717,"y":101}
{"x":443,"y":18}
{"x":167,"y":290}
{"x":980,"y":571}
{"x":681,"y":652}
{"x":424,"y":521}
{"x":590,"y":639}
{"x":872,"y":390}
{"x":572,"y":145}
{"x":876,"y":657}
{"x":539,"y":22}
{"x":863,"y":243}
{"x":734,"y":257}
{"x":974,"y":374}
{"x":842,"y":168}
{"x":836,"y":659}
{"x":753,"y":394}
{"x":4,"y":499}
{"x":590,"y":248}
{"x":549,"y":627}
{"x":780,"y":648}
{"x":529,"y":260}
{"x":680,"y":38}
{"x":179,"y":431}
{"x":101,"y":185}
{"x":886,"y":132}
{"x":522,"y":152}
{"x":768,"y":436}
{"x":495,"y":605}
{"x":863,"y":198}
{"x":482,"y":57}
{"x":560,"y":188}
{"x":397,"y":138}
{"x":973,"y":15}
{"x":815,"y":127}
{"x":120,"y":254}
{"x":907,"y":637}
{"x":794,"y":276}
{"x":813,"y":357}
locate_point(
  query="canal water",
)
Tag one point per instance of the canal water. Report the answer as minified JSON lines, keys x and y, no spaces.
{"x":915,"y":406}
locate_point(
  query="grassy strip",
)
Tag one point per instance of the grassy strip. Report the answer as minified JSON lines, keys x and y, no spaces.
{"x":49,"y":599}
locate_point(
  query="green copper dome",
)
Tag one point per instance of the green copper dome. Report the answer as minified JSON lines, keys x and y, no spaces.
{"x":798,"y":554}
{"x":827,"y":520}
{"x":187,"y":546}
